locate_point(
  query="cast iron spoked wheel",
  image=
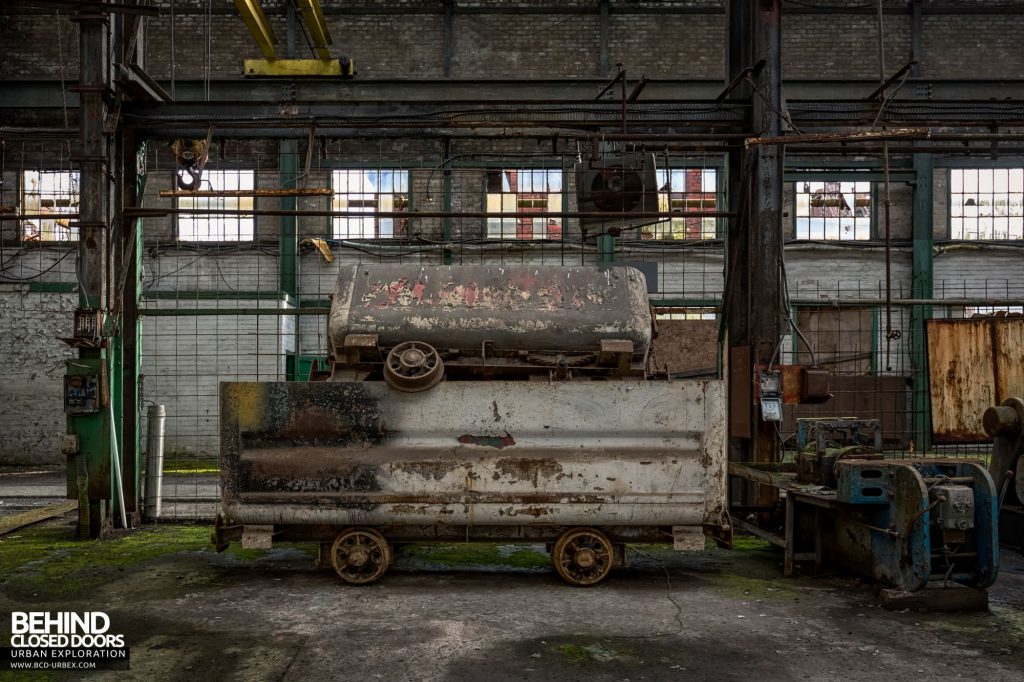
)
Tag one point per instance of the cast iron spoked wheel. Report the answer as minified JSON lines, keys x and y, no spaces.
{"x":413,"y":366}
{"x":360,"y":555}
{"x":583,"y":556}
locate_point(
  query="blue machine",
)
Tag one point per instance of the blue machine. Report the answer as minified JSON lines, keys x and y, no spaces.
{"x":912,"y":522}
{"x":909,"y":523}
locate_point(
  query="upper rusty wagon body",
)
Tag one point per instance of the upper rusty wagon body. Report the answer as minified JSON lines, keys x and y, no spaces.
{"x":478,"y":403}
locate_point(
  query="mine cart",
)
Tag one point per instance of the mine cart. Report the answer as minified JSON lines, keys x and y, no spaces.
{"x":509,"y":404}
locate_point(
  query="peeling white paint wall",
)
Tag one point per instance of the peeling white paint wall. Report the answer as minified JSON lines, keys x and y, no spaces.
{"x":31,"y":387}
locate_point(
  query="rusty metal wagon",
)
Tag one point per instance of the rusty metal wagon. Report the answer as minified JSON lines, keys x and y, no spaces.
{"x":510,"y":404}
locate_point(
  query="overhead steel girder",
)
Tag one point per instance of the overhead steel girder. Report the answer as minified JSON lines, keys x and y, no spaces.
{"x":256,"y":21}
{"x":680,"y":115}
{"x":457,"y":114}
{"x":976,"y":93}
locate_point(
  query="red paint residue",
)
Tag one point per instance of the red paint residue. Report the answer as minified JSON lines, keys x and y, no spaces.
{"x":417,"y":291}
{"x":394,"y":291}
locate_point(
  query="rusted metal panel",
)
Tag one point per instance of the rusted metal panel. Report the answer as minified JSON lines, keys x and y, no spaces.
{"x":474,"y":453}
{"x":741,"y":390}
{"x":1008,"y":349}
{"x":486,"y":309}
{"x":972,"y":364}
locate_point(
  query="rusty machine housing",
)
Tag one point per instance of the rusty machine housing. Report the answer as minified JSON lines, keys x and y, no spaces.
{"x":478,"y":403}
{"x":911,"y":523}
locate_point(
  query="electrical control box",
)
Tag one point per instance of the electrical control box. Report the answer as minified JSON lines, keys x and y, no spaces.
{"x":81,"y":394}
{"x":88,"y":322}
{"x":770,"y":389}
{"x":954,"y":506}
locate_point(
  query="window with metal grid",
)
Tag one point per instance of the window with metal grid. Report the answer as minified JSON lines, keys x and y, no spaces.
{"x":986,"y":203}
{"x":837,"y":211}
{"x":686,"y":190}
{"x":524,"y":191}
{"x":45,"y":195}
{"x":378,"y":193}
{"x":216,"y":227}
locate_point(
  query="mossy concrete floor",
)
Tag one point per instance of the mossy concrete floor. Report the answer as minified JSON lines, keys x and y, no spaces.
{"x":486,"y":612}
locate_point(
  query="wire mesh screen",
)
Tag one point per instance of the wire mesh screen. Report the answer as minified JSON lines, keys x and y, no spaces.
{"x":237,"y":273}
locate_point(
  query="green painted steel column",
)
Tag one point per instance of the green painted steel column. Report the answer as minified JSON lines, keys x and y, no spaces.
{"x":922,"y":286}
{"x":605,"y":249}
{"x":446,"y":200}
{"x":289,"y":265}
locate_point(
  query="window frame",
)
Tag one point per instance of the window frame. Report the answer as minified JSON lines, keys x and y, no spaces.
{"x":489,"y":166}
{"x":20,"y":184}
{"x":835,"y":176}
{"x":949,"y":202}
{"x":720,"y":200}
{"x":220,"y":242}
{"x":991,"y":311}
{"x":363,"y":167}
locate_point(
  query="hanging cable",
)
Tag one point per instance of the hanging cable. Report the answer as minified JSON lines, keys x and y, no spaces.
{"x":890,"y":333}
{"x":172,"y":48}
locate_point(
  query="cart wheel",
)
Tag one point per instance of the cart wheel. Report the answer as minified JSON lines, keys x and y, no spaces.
{"x":583,"y":556}
{"x":360,"y":555}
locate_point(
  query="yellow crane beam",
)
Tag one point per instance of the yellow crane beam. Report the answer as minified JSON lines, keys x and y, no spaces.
{"x":256,"y":21}
{"x":316,"y":24}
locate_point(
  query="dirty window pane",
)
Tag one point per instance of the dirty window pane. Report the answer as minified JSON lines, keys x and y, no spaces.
{"x":523,"y":191}
{"x":45,"y":196}
{"x":213,"y":227}
{"x":373,"y":192}
{"x":986,"y":203}
{"x":836,"y":211}
{"x":686,"y":190}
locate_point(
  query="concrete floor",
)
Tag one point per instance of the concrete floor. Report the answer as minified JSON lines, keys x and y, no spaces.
{"x":495,"y":613}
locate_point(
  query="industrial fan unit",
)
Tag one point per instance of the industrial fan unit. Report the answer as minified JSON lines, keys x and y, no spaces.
{"x":623,"y":186}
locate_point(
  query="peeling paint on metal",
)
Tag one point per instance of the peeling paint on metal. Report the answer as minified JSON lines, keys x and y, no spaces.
{"x":488,"y":441}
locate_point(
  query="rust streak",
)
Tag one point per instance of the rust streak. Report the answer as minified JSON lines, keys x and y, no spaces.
{"x":525,"y":469}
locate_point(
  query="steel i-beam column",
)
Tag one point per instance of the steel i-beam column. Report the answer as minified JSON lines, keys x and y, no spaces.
{"x":753,"y":300}
{"x":89,"y":469}
{"x":766,"y":309}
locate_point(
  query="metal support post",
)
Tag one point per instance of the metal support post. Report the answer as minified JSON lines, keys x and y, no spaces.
{"x":449,"y":37}
{"x":288,"y":164}
{"x":446,"y":198}
{"x":922,"y":287}
{"x":606,"y":249}
{"x":753,"y":300}
{"x":766,"y":307}
{"x":605,"y":32}
{"x":916,"y":37}
{"x":128,"y":285}
{"x":93,"y":458}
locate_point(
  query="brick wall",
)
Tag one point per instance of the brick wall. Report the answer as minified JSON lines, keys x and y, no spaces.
{"x":833,"y":46}
{"x":973,"y":47}
{"x":491,"y":40}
